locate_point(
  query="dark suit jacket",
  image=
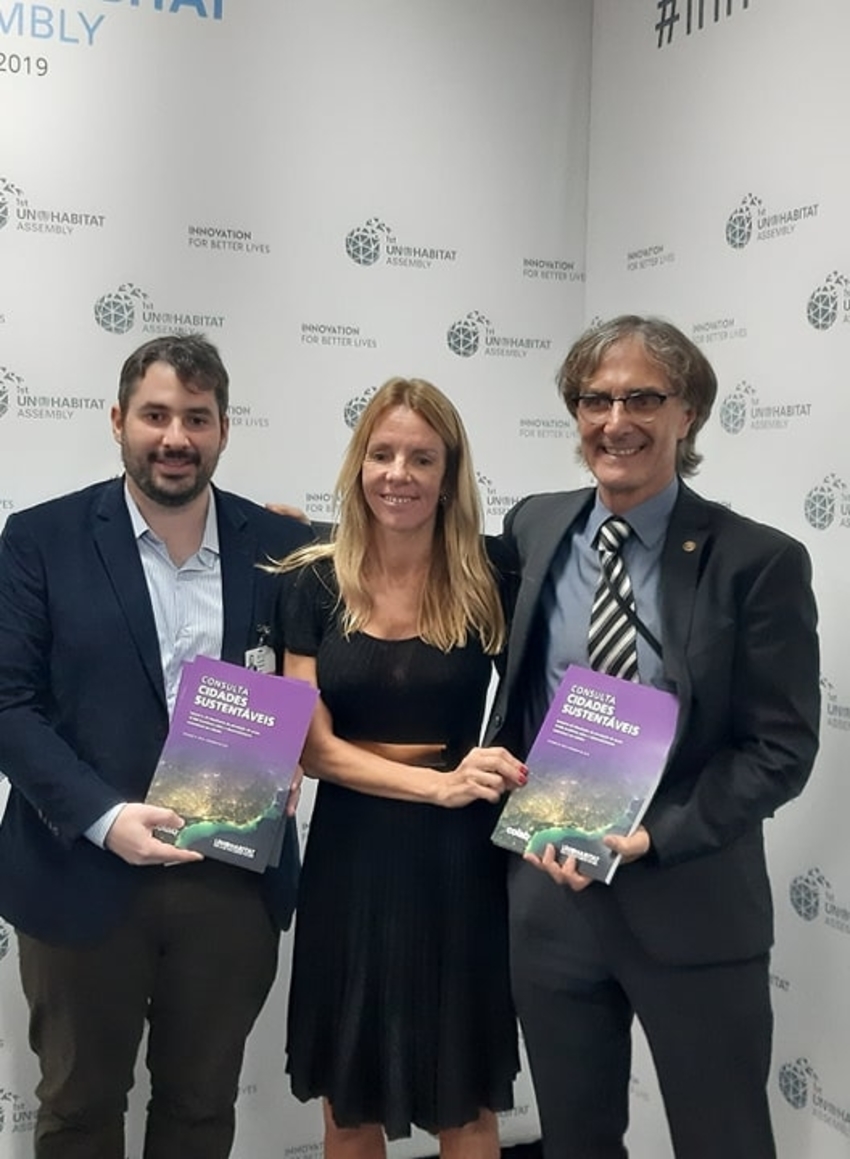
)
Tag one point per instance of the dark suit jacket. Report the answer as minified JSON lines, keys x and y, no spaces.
{"x":740,"y":649}
{"x":83,"y":713}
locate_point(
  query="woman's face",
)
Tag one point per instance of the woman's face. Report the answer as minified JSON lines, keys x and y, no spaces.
{"x":403,"y":471}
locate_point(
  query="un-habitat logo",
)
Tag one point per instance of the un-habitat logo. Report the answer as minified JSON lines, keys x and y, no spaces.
{"x":355,"y":407}
{"x":753,"y":219}
{"x":836,"y":710}
{"x":801,"y":1088}
{"x":367,"y":244}
{"x":742,"y":406}
{"x":496,"y":503}
{"x":41,"y":407}
{"x":62,"y":220}
{"x":474,"y":332}
{"x":15,"y":1113}
{"x":827,"y":503}
{"x":9,"y":383}
{"x":121,"y":310}
{"x":829,"y":301}
{"x":813,"y":899}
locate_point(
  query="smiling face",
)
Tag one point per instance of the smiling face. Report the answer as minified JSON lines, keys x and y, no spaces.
{"x":171,"y":438}
{"x":632,"y":459}
{"x":403,"y":471}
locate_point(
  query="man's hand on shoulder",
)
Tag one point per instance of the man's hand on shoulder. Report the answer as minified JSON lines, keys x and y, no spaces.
{"x":131,"y":836}
{"x":291,"y":512}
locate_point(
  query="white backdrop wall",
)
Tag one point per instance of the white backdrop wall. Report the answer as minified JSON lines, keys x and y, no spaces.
{"x":335,"y":192}
{"x":341,"y":190}
{"x":719,"y":183}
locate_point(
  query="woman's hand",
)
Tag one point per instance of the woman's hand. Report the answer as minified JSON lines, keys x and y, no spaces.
{"x":483,"y":774}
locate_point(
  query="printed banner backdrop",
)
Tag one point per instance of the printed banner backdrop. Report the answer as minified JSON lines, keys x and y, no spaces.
{"x":717,"y":197}
{"x":343,"y":190}
{"x":335,"y":192}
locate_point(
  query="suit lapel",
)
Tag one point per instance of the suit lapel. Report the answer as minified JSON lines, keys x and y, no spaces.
{"x":113,"y":537}
{"x":688,"y":539}
{"x":238,"y":546}
{"x":538,"y":541}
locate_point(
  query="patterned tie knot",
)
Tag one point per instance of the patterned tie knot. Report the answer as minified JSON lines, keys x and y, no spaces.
{"x":612,"y":535}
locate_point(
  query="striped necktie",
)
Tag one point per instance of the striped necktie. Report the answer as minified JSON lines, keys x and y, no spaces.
{"x":612,"y":638}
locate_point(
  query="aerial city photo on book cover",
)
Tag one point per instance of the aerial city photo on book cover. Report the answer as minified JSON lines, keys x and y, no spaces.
{"x":227,"y":764}
{"x":593,"y":769}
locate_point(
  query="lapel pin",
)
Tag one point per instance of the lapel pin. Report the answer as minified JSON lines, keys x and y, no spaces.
{"x":689,"y":545}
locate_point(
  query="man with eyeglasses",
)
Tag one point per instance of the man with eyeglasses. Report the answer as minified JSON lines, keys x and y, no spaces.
{"x":719,"y":610}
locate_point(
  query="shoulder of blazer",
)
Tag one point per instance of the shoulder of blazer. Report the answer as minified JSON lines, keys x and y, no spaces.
{"x":738,"y":533}
{"x":276,"y":534}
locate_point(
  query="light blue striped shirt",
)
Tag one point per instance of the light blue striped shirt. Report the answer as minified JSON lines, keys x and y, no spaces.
{"x":187,"y":609}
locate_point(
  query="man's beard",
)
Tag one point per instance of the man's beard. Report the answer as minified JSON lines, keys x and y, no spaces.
{"x":178,"y":492}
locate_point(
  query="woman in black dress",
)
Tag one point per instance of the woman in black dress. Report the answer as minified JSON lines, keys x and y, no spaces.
{"x":400,"y":1011}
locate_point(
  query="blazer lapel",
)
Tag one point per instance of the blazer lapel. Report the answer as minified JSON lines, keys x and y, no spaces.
{"x":114,"y":540}
{"x":688,"y":538}
{"x":544,"y":535}
{"x":238,"y":546}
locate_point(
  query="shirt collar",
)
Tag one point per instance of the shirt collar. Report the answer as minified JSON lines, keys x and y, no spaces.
{"x":209,"y":543}
{"x":648,"y":520}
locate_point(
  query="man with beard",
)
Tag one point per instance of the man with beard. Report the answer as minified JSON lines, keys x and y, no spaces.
{"x":104,"y":594}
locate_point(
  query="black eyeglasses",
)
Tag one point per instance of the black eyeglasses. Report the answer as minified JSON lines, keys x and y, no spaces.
{"x":644,"y":405}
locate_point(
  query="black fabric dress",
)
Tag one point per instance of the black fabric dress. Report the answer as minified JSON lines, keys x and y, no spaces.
{"x":400,"y":1010}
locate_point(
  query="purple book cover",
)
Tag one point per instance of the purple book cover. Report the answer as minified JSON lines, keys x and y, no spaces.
{"x":592,"y":769}
{"x":235,"y":739}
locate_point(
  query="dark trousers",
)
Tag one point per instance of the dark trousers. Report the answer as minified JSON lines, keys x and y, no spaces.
{"x":196,"y":959}
{"x":580,"y":977}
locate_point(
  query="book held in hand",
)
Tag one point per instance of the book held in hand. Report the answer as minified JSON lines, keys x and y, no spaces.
{"x":592,"y":770}
{"x":229,"y":758}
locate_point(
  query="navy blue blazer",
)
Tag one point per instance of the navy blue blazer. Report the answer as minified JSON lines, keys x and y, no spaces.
{"x":741,"y":652}
{"x":83,"y":713}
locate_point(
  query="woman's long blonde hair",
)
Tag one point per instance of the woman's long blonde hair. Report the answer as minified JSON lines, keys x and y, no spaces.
{"x":461,"y":594}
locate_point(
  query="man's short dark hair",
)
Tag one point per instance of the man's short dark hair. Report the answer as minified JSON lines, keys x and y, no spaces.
{"x":195,"y":361}
{"x":687,"y":370}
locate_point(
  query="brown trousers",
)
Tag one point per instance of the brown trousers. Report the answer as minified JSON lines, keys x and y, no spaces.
{"x":195,"y":959}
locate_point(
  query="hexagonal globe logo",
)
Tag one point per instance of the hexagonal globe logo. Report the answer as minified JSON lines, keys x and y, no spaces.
{"x":822,"y":306}
{"x":793,"y":1080}
{"x":804,"y":893}
{"x":739,"y":224}
{"x":733,"y":409}
{"x":819,"y":504}
{"x":355,"y":407}
{"x":8,"y":381}
{"x":464,"y":336}
{"x":7,"y":189}
{"x":363,"y":244}
{"x":115,"y":312}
